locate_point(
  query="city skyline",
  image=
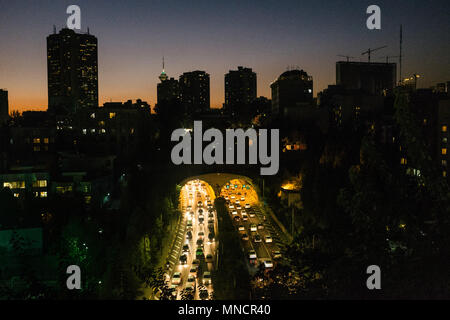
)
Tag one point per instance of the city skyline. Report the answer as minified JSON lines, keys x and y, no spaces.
{"x":310,"y":37}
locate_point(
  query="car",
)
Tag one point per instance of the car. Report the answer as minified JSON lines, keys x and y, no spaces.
{"x":234,"y":213}
{"x":237,"y":218}
{"x":260,"y":226}
{"x":268,"y":264}
{"x":189,"y":224}
{"x":201,"y":220}
{"x":189,"y":235}
{"x":253,"y":227}
{"x":173,"y":290}
{"x":196,"y":262}
{"x":201,"y":234}
{"x":183,"y":259}
{"x":200,"y":211}
{"x":208,"y":202}
{"x":252,"y":254}
{"x":244,"y":217}
{"x":237,"y":201}
{"x":226,"y":198}
{"x":189,"y":208}
{"x":257,"y":238}
{"x":268,"y":239}
{"x":200,"y":243}
{"x":247,"y":206}
{"x":189,"y":287}
{"x":210,"y":221}
{"x":243,"y":212}
{"x":186,"y":248}
{"x":203,"y":294}
{"x":199,"y":253}
{"x":244,"y":237}
{"x":238,"y":207}
{"x":206,"y":278}
{"x":231,"y":206}
{"x":233,"y":196}
{"x":211,"y":236}
{"x":241,"y":228}
{"x":209,"y":257}
{"x":191,"y":213}
{"x":176,"y":278}
{"x":211,"y":215}
{"x":252,"y":214}
{"x":242,"y":198}
{"x":211,"y":227}
{"x":191,"y":279}
{"x":193,"y":270}
{"x":276,"y":254}
{"x":209,"y":206}
{"x":199,"y":204}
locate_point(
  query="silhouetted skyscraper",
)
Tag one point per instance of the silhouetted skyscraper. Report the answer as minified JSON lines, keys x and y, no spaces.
{"x":292,"y":89}
{"x":194,"y":91}
{"x":4,"y":106}
{"x":240,"y":88}
{"x":72,"y":71}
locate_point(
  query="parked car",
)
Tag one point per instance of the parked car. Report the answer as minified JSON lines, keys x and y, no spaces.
{"x":244,"y":237}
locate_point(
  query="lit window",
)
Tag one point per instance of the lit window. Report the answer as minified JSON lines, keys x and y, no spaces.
{"x":14,"y":185}
{"x":444,"y":162}
{"x":36,"y":140}
{"x":37,"y":148}
{"x":44,"y":194}
{"x":444,"y":151}
{"x":84,"y":131}
{"x":46,"y":140}
{"x":16,"y":195}
{"x":403,"y":161}
{"x":444,"y":128}
{"x":444,"y":173}
{"x":444,"y":140}
{"x":112,"y":115}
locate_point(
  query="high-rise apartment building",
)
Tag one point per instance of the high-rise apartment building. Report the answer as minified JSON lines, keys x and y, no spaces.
{"x":240,"y":88}
{"x":194,"y":91}
{"x":72,"y":71}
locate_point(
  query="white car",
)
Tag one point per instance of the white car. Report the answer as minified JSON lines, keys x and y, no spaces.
{"x":253,"y":228}
{"x":231,"y":206}
{"x":233,"y":197}
{"x":252,"y":254}
{"x":268,"y":239}
{"x":237,"y":201}
{"x":238,"y":207}
{"x":268,"y":264}
{"x":234,"y":213}
{"x":176,"y":278}
{"x":242,"y":199}
{"x":247,"y":206}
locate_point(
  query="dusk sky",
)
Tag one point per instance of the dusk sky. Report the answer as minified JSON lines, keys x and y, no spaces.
{"x":216,"y":36}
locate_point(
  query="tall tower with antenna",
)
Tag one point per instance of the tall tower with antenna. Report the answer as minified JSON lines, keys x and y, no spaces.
{"x":163,"y":75}
{"x":400,"y":56}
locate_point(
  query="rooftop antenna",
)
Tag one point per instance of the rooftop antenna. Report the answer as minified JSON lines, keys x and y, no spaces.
{"x":88,"y":30}
{"x":400,"y":59}
{"x":163,"y":63}
{"x":54,"y":29}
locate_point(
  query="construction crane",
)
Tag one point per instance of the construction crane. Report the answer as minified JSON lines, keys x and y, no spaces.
{"x":348,"y":57}
{"x":369,"y":51}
